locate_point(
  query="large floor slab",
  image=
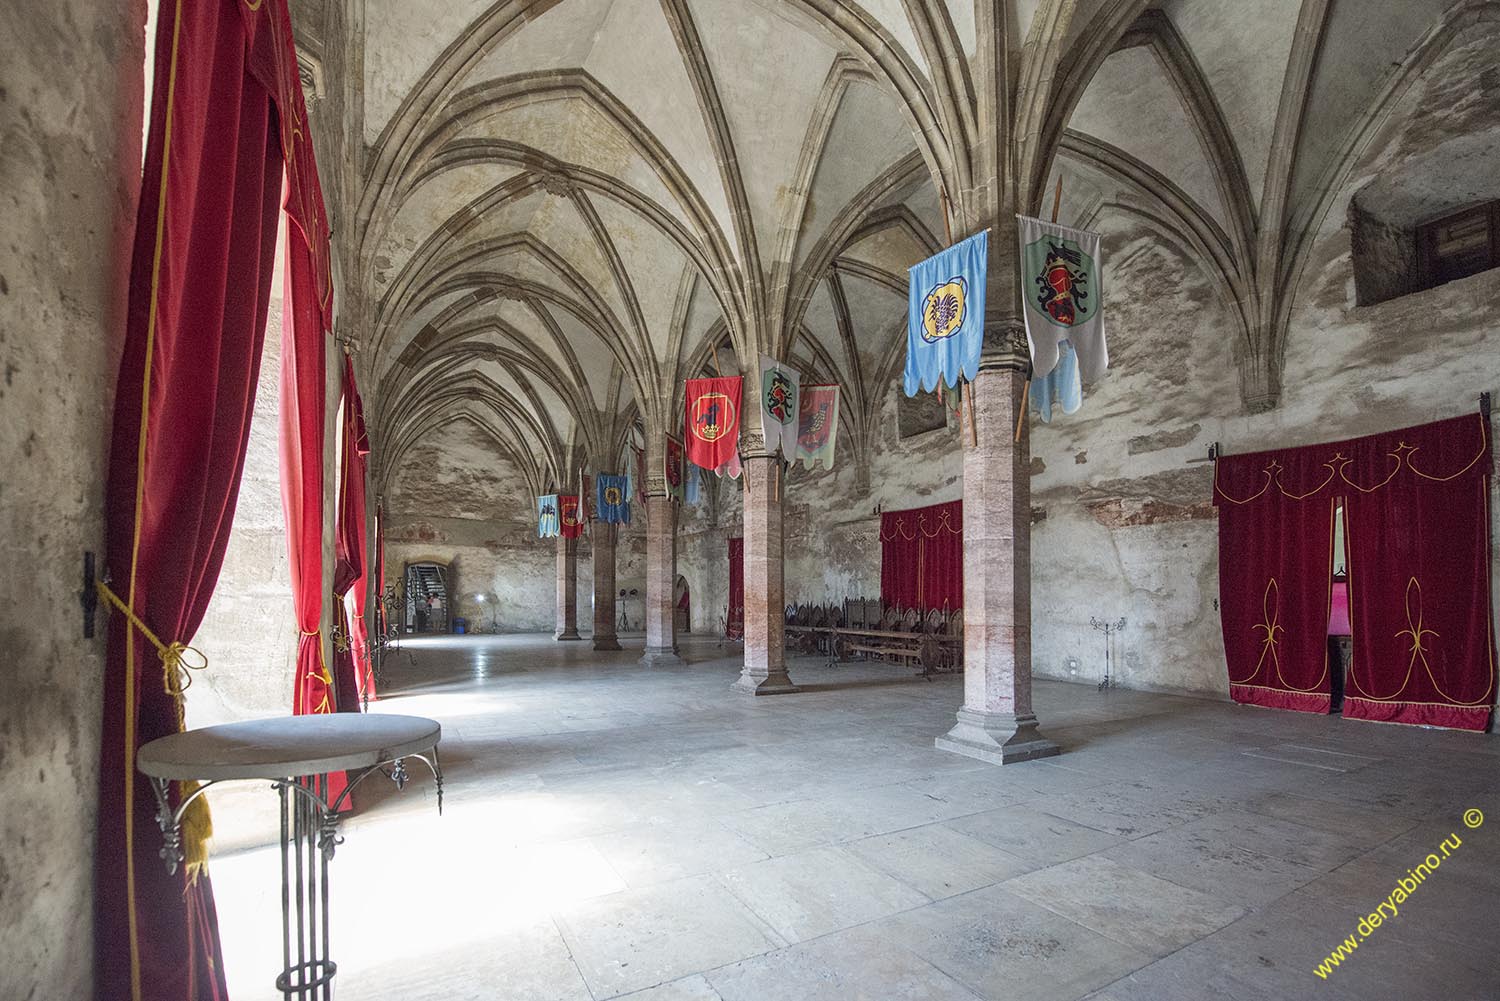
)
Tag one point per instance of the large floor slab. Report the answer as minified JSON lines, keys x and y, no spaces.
{"x":617,"y":831}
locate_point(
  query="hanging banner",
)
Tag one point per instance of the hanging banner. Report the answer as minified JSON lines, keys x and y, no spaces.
{"x":613,"y":499}
{"x":945,"y":316}
{"x":713,"y":421}
{"x":692,"y":492}
{"x":674,"y":461}
{"x":546,"y":517}
{"x":569,"y":512}
{"x":778,"y":406}
{"x":587,"y":510}
{"x":1063,"y":296}
{"x":1059,"y":389}
{"x":817,"y":424}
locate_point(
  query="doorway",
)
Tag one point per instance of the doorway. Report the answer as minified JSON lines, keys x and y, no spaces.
{"x":682,"y":605}
{"x":427,"y":597}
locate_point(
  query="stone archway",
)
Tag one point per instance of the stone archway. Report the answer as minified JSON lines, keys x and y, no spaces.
{"x":682,"y":605}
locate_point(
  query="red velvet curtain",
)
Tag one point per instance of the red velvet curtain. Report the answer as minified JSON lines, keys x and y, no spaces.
{"x":1418,"y":530}
{"x":303,"y":405}
{"x":1417,"y":540}
{"x":200,"y":284}
{"x":352,"y":674}
{"x":1275,"y":585}
{"x":735,"y":614}
{"x":922,"y":557}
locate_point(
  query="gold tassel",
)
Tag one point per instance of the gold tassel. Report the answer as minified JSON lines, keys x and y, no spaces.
{"x":197,"y":828}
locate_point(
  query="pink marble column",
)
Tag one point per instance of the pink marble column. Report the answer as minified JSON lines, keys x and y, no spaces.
{"x":661,"y":574}
{"x":996,"y":722}
{"x":567,"y":589}
{"x":764,"y":672}
{"x":604,"y":536}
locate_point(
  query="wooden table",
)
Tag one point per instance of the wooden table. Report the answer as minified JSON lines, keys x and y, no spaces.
{"x":925,"y":648}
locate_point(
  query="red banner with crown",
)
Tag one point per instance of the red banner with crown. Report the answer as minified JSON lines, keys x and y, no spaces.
{"x":713,"y":421}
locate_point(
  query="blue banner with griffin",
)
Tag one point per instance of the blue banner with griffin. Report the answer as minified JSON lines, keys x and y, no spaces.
{"x":945,"y":316}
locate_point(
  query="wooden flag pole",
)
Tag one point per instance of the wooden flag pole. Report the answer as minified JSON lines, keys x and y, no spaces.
{"x":965,"y":391}
{"x":1026,"y":389}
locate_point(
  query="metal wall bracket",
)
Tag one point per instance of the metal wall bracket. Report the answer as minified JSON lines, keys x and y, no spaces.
{"x":89,"y":596}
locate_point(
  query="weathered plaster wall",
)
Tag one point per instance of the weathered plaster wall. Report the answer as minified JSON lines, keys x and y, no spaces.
{"x":71,"y":111}
{"x":456,"y":499}
{"x":703,"y":533}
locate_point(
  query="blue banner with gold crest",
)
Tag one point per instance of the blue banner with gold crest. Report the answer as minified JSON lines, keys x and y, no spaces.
{"x":613,"y":499}
{"x":945,"y":316}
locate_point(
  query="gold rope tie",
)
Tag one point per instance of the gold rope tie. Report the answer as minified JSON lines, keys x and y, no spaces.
{"x":196,"y":826}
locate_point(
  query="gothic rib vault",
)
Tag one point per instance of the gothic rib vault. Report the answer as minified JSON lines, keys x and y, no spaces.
{"x":565,"y":208}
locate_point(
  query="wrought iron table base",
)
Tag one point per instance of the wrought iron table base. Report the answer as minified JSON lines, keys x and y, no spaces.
{"x":309,"y":837}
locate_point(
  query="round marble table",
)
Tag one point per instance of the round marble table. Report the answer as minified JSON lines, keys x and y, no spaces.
{"x":296,"y":754}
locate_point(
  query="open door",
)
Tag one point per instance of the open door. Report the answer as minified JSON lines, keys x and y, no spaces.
{"x":427,"y":597}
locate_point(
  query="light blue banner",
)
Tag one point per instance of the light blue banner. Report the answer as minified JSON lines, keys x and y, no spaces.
{"x":547,"y":521}
{"x":945,"y":316}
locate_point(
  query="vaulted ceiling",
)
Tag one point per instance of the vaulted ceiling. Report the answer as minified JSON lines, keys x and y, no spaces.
{"x":566,"y":207}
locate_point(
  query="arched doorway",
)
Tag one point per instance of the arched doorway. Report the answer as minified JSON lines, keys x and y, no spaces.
{"x":682,"y":605}
{"x":427,"y":597}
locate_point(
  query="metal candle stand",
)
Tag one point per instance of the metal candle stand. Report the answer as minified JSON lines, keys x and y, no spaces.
{"x":1109,"y":629}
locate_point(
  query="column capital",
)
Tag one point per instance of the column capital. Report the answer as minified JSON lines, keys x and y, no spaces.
{"x":1005,"y":346}
{"x":752,"y":443}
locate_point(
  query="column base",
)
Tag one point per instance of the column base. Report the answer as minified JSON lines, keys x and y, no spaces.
{"x":661,"y":656}
{"x":999,"y":738}
{"x":607,"y":643}
{"x":770,"y":683}
{"x":570,"y":634}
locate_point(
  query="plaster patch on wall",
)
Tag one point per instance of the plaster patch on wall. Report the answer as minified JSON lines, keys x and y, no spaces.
{"x":1158,"y":440}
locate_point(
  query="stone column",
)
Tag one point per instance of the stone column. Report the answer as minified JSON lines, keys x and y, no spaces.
{"x":764,"y":672}
{"x":996,"y":722}
{"x":661,"y":575}
{"x":605,"y":535}
{"x":567,"y":589}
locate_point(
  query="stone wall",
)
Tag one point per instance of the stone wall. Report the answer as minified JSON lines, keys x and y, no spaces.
{"x":71,"y":112}
{"x":456,"y":499}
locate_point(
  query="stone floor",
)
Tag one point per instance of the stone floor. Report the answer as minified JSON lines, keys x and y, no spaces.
{"x":615,"y":831}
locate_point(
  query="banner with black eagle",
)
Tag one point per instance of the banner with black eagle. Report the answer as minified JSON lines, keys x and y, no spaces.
{"x":945,"y":316}
{"x":547,"y":524}
{"x":712,"y":422}
{"x":778,"y":406}
{"x":613,"y":499}
{"x":817,"y":424}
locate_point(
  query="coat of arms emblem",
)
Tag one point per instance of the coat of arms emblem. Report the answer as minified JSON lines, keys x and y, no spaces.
{"x":944,"y":309}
